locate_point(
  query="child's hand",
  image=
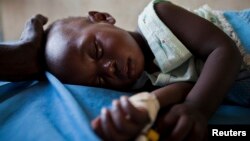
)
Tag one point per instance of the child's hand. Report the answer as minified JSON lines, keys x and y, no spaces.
{"x":183,"y":122}
{"x":122,"y":122}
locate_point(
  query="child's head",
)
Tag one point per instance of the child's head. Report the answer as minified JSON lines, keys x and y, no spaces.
{"x":92,"y":51}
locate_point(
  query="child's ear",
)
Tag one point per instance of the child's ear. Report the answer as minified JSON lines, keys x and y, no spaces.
{"x":95,"y":17}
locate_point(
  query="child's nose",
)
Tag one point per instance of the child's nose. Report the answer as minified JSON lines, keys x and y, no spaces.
{"x":108,"y":68}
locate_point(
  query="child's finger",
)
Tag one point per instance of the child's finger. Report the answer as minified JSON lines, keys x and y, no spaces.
{"x":124,"y":125}
{"x":108,"y":127}
{"x":95,"y":123}
{"x":182,"y":129}
{"x":138,"y":116}
{"x":198,"y":133}
{"x":170,"y":119}
{"x":97,"y":127}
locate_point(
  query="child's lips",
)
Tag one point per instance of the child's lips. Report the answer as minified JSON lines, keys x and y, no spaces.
{"x":127,"y":70}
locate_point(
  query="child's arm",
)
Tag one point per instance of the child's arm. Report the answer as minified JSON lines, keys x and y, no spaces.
{"x":222,"y":63}
{"x":22,"y":59}
{"x":123,"y":122}
{"x":172,"y":94}
{"x":112,"y":124}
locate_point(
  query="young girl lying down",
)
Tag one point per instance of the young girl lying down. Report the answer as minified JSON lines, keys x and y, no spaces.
{"x":177,"y":60}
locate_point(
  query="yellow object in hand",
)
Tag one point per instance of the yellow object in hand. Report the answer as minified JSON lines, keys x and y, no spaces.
{"x":152,"y":135}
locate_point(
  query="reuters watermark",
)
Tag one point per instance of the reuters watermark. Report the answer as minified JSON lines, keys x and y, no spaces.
{"x":236,"y":132}
{"x":228,"y":133}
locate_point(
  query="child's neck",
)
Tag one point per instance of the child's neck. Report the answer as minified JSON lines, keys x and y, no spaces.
{"x":148,"y":55}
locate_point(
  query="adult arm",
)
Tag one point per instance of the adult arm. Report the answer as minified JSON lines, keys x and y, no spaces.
{"x":22,"y":59}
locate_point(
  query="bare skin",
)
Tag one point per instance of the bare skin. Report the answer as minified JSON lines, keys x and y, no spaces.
{"x":97,"y":52}
{"x":188,"y":119}
{"x":100,"y":54}
{"x":22,"y":60}
{"x":111,"y":125}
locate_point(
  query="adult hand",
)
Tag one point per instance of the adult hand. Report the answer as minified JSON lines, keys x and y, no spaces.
{"x":122,"y":122}
{"x":182,"y":122}
{"x":32,"y":41}
{"x":33,"y":30}
{"x":23,"y":59}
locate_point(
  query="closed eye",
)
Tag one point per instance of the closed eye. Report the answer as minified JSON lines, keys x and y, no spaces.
{"x":99,"y":50}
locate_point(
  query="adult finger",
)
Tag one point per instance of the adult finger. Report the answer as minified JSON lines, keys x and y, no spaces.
{"x":42,"y":19}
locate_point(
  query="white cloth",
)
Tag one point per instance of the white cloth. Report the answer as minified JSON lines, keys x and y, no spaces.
{"x":148,"y":102}
{"x":175,"y":61}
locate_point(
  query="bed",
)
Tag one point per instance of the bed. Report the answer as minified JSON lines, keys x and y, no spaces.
{"x":50,"y":110}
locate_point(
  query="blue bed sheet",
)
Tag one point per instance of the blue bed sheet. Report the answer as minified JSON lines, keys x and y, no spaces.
{"x":51,"y":111}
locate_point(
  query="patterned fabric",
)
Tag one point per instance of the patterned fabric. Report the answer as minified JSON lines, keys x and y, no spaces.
{"x":222,"y":20}
{"x":171,"y":56}
{"x":240,"y":22}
